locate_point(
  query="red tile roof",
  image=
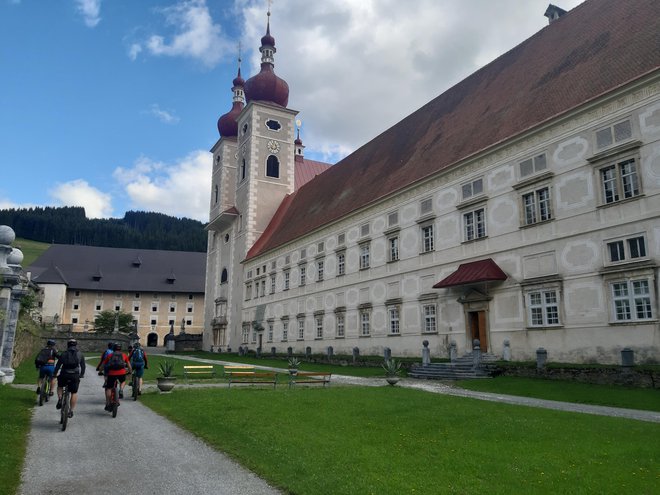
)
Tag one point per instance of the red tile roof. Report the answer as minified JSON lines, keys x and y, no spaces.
{"x":472,"y":273}
{"x":595,"y":48}
{"x":306,"y":170}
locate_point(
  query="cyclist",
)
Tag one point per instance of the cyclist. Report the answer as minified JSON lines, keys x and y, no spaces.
{"x":45,"y":363}
{"x":105,"y":354}
{"x":139,"y":363}
{"x":118,"y":365}
{"x":72,"y":365}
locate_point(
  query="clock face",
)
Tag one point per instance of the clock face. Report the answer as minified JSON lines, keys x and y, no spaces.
{"x":273,"y":146}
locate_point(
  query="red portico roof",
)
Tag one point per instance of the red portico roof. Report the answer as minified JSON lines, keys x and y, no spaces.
{"x":472,"y":273}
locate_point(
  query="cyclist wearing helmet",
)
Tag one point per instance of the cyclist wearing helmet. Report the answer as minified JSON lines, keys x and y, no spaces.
{"x":139,"y":363}
{"x":106,"y":353}
{"x":45,"y":363}
{"x":72,"y":366}
{"x":118,"y":365}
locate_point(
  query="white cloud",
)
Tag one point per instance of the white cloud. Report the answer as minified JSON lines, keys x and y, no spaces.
{"x":134,"y":50}
{"x":163,"y":115}
{"x":181,"y":189}
{"x":195,"y":35}
{"x":356,"y":67}
{"x":90,"y":10}
{"x":78,"y":192}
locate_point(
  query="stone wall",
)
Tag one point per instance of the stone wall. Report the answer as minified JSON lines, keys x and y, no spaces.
{"x":640,"y":377}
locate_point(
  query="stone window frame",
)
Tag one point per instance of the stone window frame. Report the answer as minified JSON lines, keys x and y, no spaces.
{"x":365,"y":255}
{"x":615,"y":158}
{"x":285,"y":329}
{"x":468,"y":188}
{"x":320,"y":269}
{"x":542,"y":287}
{"x":640,"y":271}
{"x":286,"y":284}
{"x":611,"y":129}
{"x":538,"y":165}
{"x":364,"y":311}
{"x":532,"y":186}
{"x":302,"y":274}
{"x":318,"y":325}
{"x":427,"y":242}
{"x":473,"y":211}
{"x":272,"y":283}
{"x":340,"y":322}
{"x":341,"y":262}
{"x":429,"y":321}
{"x":270,"y":330}
{"x":393,"y":317}
{"x":301,"y":327}
{"x":625,"y":242}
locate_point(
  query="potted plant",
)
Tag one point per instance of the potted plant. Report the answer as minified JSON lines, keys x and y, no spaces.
{"x":166,"y":380}
{"x":294,"y":363}
{"x":392,"y":370}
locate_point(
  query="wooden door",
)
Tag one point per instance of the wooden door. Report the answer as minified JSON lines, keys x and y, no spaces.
{"x":478,"y":330}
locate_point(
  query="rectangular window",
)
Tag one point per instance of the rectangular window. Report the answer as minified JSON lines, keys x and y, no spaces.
{"x":341,"y":239}
{"x":627,"y":249}
{"x":263,"y":288}
{"x":272,"y":284}
{"x":320,"y":247}
{"x":536,"y":206}
{"x":341,"y":263}
{"x":136,"y":307}
{"x":76,"y":293}
{"x":172,"y":308}
{"x":154,"y":308}
{"x":364,"y":230}
{"x":189,"y":322}
{"x":154,"y":322}
{"x":287,"y":279}
{"x":394,"y":248}
{"x":617,"y":133}
{"x":426,"y":206}
{"x":319,"y":327}
{"x":393,"y":312}
{"x":365,"y":253}
{"x":248,"y":291}
{"x":76,"y":306}
{"x":303,"y":275}
{"x":74,"y":320}
{"x":98,"y":306}
{"x":533,"y":165}
{"x":340,"y":325}
{"x":631,"y":300}
{"x":393,"y":219}
{"x":430,"y":325}
{"x":301,"y":329}
{"x":473,"y":188}
{"x":619,"y":181}
{"x":365,"y":323}
{"x":474,"y":224}
{"x":303,"y":254}
{"x":287,"y":259}
{"x":320,"y":266}
{"x":285,"y":331}
{"x":269,"y":337}
{"x":543,"y":308}
{"x":190,"y":307}
{"x":427,"y":238}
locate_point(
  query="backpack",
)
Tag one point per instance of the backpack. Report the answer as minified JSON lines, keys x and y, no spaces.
{"x":137,"y":357}
{"x":116,"y":361}
{"x":46,"y":356}
{"x":70,"y":359}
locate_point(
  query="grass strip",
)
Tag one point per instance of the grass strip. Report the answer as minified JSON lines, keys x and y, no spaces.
{"x":15,"y":417}
{"x":391,"y":440}
{"x":580,"y":393}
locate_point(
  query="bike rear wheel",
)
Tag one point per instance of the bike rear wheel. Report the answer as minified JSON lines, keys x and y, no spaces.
{"x":65,"y":410}
{"x":43,"y":395}
{"x":135,"y":384}
{"x":115,"y":401}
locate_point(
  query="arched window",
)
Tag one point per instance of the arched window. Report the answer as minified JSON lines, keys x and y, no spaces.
{"x":216,"y":194}
{"x":273,"y":167}
{"x":223,"y":277}
{"x":243,"y":169}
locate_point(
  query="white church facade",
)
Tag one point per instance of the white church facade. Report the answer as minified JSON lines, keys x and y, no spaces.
{"x":520,"y":206}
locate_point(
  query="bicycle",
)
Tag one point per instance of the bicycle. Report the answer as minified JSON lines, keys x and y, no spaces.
{"x":66,"y":407}
{"x":135,"y":385}
{"x":44,"y":394}
{"x":114,"y":399}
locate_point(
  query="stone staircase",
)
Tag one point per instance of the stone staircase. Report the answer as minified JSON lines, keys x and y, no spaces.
{"x":460,"y":369}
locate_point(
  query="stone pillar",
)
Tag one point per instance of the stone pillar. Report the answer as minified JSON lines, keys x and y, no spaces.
{"x":627,"y":358}
{"x":273,"y":351}
{"x":541,"y":358}
{"x":387,"y":353}
{"x":330,"y":352}
{"x":453,"y":351}
{"x":308,"y":352}
{"x":506,"y":353}
{"x":356,"y":354}
{"x":426,"y":353}
{"x":289,"y":352}
{"x":476,"y":353}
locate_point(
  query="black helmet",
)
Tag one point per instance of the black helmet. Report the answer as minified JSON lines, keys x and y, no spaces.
{"x":72,"y":343}
{"x":117,"y":346}
{"x":111,"y":345}
{"x":50,"y":342}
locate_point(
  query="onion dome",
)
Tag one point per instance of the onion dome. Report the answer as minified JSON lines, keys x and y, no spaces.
{"x":266,"y":86}
{"x":228,"y":123}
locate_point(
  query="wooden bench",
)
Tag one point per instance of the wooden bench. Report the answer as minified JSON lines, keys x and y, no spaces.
{"x":251,"y":377}
{"x":231,"y":369}
{"x":198,"y":370}
{"x":311,"y":377}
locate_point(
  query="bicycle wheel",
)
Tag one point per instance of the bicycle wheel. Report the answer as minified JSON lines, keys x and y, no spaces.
{"x":135,"y":381}
{"x":43,"y":394}
{"x":115,"y":401}
{"x":65,"y":409}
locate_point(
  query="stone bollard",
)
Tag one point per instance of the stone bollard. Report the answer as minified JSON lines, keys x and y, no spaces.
{"x":240,"y":350}
{"x":289,"y":352}
{"x":506,"y":353}
{"x":329,"y":352}
{"x":627,"y":358}
{"x":453,"y":351}
{"x":426,"y":353}
{"x":387,"y":353}
{"x":258,"y":352}
{"x":541,"y":358}
{"x":476,"y":353}
{"x":273,"y":351}
{"x":356,"y":354}
{"x":308,"y":352}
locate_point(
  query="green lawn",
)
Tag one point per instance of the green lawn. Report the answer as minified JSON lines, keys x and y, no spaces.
{"x":15,"y":416}
{"x":31,"y":249}
{"x":581,"y":393}
{"x":392,"y":440}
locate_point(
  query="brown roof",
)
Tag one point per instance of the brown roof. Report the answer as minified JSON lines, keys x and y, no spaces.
{"x":306,"y":170}
{"x":472,"y":273}
{"x":588,"y":52}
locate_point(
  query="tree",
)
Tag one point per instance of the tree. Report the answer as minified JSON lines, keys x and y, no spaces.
{"x":105,"y":321}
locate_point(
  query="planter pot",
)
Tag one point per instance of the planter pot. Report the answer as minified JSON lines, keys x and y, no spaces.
{"x":166,"y":383}
{"x":293,"y":371}
{"x":392,"y":380}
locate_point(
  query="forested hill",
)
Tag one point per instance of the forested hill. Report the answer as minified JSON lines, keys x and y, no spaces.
{"x":69,"y":225}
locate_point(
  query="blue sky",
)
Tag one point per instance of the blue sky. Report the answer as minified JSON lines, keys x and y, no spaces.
{"x":113,"y":104}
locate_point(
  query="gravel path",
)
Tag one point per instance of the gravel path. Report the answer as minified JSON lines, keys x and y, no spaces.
{"x":138,"y":452}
